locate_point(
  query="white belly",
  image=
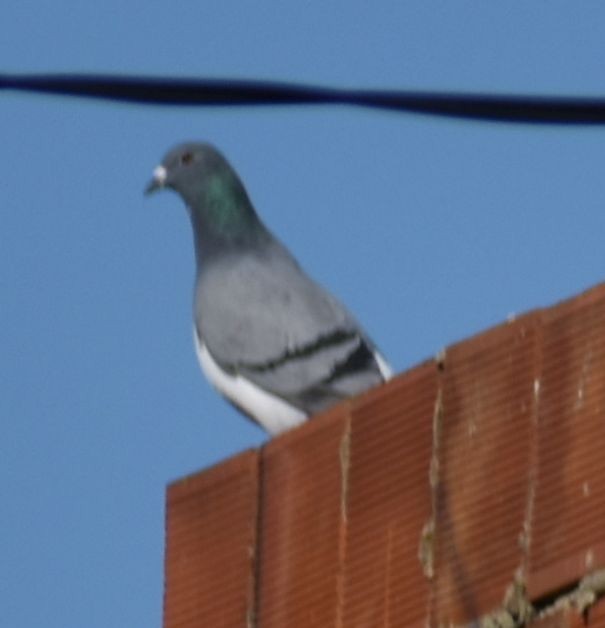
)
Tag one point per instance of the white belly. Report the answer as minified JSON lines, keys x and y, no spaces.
{"x":274,"y":414}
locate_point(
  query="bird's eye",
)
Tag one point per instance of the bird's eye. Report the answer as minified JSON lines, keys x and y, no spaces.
{"x":186,"y":158}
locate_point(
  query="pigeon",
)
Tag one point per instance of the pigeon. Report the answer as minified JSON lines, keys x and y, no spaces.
{"x":271,"y":340}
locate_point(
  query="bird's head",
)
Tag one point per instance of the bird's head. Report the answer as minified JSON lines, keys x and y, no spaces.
{"x":212,"y":191}
{"x":187,"y":169}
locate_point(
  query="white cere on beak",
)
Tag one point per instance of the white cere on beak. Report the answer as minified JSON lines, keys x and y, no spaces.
{"x":159,"y":175}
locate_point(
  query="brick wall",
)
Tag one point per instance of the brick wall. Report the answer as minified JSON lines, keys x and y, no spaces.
{"x":471,"y":487}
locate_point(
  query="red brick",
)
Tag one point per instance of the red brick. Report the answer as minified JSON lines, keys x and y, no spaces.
{"x":389,"y":502}
{"x":486,"y":451}
{"x":301,"y":542}
{"x":211,"y":522}
{"x":568,"y":532}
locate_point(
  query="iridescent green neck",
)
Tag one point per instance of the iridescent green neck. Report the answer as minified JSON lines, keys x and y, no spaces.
{"x":223,"y":218}
{"x":228,"y":210}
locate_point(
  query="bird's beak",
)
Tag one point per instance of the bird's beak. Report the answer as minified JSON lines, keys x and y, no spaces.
{"x":158,"y":181}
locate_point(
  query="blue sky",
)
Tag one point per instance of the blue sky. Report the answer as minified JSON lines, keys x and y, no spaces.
{"x":429,"y":230}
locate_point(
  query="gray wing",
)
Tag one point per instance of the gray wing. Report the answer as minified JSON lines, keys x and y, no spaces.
{"x":262,"y":317}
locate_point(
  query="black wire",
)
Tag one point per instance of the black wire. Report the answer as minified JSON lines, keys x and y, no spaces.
{"x":223,"y":92}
